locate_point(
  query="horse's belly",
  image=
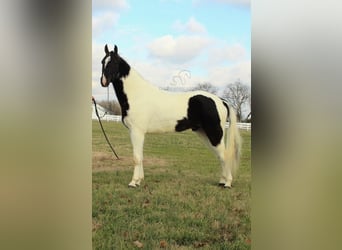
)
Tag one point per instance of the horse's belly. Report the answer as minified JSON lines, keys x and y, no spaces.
{"x":162,"y":124}
{"x":160,"y":114}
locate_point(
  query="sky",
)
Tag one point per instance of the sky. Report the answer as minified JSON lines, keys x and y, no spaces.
{"x":174,"y":43}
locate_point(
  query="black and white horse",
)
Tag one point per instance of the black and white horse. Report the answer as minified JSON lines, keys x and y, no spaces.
{"x":146,"y":108}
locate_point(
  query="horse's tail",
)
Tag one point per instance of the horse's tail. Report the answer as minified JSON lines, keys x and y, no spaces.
{"x":233,"y":143}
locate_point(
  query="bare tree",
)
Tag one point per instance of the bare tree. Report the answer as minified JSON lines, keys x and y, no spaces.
{"x":206,"y":86}
{"x":237,"y":94}
{"x":249,"y":116}
{"x":112,"y":106}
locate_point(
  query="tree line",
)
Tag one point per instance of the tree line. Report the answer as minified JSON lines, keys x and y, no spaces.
{"x":237,"y":94}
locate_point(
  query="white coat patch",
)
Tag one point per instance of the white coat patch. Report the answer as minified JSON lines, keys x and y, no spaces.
{"x":107,"y":61}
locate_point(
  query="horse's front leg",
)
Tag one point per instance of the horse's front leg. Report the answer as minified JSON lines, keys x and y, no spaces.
{"x":137,"y":139}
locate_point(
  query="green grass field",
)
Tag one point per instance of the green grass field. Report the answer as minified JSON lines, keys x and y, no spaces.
{"x":179,"y":204}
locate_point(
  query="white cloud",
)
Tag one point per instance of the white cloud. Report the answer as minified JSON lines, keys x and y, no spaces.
{"x":106,"y":14}
{"x":104,"y":21}
{"x":194,"y":26}
{"x":223,"y":75}
{"x":227,"y":54}
{"x":177,"y":49}
{"x":191,"y":26}
{"x":158,"y":74}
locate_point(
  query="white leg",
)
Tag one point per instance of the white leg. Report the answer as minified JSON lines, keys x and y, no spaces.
{"x":226,"y":175}
{"x":229,"y":177}
{"x":137,"y":139}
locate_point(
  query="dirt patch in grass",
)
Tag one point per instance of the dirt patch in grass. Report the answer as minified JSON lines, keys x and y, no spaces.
{"x":103,"y":161}
{"x":96,"y":225}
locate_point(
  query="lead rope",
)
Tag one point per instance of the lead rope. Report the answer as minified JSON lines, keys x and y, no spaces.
{"x":104,"y":133}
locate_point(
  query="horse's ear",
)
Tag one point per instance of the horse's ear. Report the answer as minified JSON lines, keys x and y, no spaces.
{"x":106,"y":49}
{"x":116,"y":49}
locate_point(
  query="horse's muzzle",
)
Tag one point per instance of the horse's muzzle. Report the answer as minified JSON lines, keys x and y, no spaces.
{"x":104,"y":81}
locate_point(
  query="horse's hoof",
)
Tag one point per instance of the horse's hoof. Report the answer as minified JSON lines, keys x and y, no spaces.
{"x":132,"y":185}
{"x":229,"y":187}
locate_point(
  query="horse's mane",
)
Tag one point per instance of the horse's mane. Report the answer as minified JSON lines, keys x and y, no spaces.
{"x":124,"y":68}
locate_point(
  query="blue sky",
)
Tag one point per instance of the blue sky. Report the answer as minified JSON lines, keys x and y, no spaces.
{"x":161,"y":38}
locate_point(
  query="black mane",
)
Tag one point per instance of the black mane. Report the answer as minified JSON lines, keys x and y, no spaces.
{"x":124,"y":68}
{"x":118,"y":85}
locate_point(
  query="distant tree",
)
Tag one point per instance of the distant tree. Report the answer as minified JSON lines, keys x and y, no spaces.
{"x":237,"y":94}
{"x":112,"y":106}
{"x":206,"y":86}
{"x":249,"y":116}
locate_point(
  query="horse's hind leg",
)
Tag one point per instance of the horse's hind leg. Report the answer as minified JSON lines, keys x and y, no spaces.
{"x":219,"y":150}
{"x":137,"y":139}
{"x":226,"y":174}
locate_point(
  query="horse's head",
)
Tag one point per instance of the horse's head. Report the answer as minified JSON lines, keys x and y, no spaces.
{"x":113,"y":67}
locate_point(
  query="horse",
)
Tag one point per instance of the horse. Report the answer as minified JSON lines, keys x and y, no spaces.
{"x":147,"y":109}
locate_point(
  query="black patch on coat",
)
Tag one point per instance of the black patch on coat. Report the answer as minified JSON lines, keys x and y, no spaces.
{"x":202,"y":114}
{"x":182,"y":125}
{"x":122,"y":97}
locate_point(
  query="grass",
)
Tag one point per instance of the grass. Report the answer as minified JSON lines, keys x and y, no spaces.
{"x":179,"y":204}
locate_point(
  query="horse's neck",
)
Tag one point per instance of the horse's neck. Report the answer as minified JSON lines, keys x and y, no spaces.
{"x":135,"y":83}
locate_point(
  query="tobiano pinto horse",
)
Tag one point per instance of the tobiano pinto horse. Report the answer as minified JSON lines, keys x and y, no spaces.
{"x":147,"y":109}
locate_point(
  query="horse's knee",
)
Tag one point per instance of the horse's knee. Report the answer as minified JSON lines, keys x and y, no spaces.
{"x":137,"y":160}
